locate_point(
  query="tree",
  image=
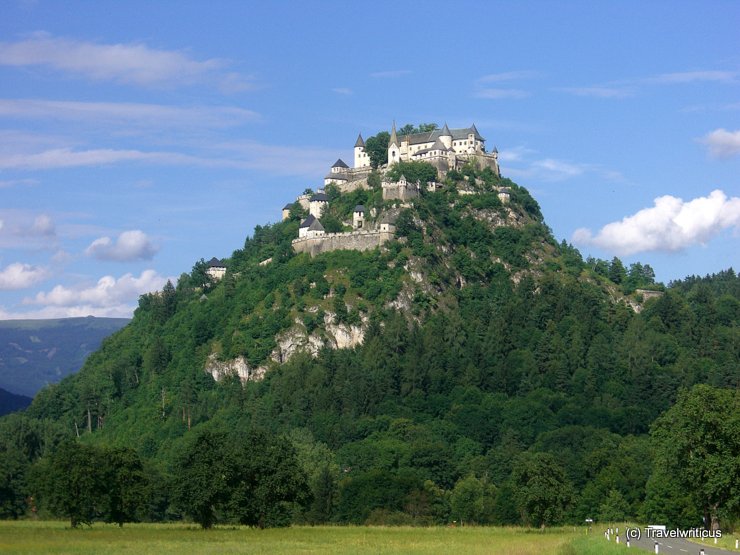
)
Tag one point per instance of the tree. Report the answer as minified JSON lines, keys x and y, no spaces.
{"x":617,"y":273}
{"x":697,"y":442}
{"x":542,"y":491}
{"x":125,"y":484}
{"x":266,"y":480}
{"x":13,"y":489}
{"x":249,"y":477}
{"x":413,"y":171}
{"x":74,"y":483}
{"x":614,"y":508}
{"x":201,"y":477}
{"x":473,"y":500}
{"x":376,"y":148}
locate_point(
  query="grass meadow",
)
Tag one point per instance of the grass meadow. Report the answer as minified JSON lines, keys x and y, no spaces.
{"x":142,"y":539}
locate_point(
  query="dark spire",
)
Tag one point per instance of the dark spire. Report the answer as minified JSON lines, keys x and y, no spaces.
{"x":394,"y":137}
{"x":359,"y":141}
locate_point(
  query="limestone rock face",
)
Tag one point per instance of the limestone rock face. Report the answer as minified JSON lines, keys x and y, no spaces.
{"x":236,"y":367}
{"x":343,"y":336}
{"x":294,"y":340}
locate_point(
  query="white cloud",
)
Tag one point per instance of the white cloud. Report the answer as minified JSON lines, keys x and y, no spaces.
{"x":21,"y":276}
{"x":108,"y":297}
{"x":509,"y":76}
{"x":274,"y":159}
{"x":497,"y":94}
{"x":131,"y":63}
{"x":670,"y":225}
{"x":280,"y":160}
{"x":16,"y":182}
{"x":130,"y":245}
{"x":43,"y":225}
{"x":126,"y":113}
{"x":61,"y":257}
{"x":69,"y":158}
{"x":514,"y":154}
{"x":695,"y":76}
{"x":342,"y":90}
{"x":559,"y":169}
{"x":722,"y":143}
{"x":26,"y":229}
{"x":599,"y":92}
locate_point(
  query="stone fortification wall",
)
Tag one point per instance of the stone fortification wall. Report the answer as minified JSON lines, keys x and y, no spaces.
{"x":356,"y":240}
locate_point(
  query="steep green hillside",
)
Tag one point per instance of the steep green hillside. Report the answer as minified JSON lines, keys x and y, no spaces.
{"x":421,"y":382}
{"x":35,"y":353}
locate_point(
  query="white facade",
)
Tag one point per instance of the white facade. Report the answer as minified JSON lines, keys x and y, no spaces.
{"x":316,"y":207}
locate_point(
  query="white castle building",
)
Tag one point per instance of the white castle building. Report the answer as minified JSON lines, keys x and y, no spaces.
{"x":446,"y":149}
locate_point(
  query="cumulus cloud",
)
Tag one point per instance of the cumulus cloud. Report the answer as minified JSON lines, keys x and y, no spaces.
{"x":672,"y":224}
{"x":130,"y":245}
{"x":21,"y":276}
{"x":722,"y":143}
{"x":108,"y":297}
{"x":131,"y":63}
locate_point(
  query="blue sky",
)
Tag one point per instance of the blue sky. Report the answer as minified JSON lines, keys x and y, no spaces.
{"x":138,"y":137}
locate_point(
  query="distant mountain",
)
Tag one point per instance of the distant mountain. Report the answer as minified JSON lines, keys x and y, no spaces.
{"x":34,"y":353}
{"x":10,"y":402}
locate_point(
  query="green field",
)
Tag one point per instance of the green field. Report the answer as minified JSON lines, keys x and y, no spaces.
{"x":141,"y":539}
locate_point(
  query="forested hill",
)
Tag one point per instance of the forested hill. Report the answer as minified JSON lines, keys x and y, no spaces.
{"x":476,"y":348}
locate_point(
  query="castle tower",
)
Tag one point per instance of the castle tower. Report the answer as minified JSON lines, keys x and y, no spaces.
{"x":310,"y":227}
{"x":474,"y":139}
{"x":317,"y":204}
{"x":286,"y":210}
{"x":216,"y":269}
{"x":446,"y":137}
{"x":361,"y":158}
{"x":358,"y":217}
{"x":394,"y":151}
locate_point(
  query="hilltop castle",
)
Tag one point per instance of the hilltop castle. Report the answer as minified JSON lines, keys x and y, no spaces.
{"x":445,"y":149}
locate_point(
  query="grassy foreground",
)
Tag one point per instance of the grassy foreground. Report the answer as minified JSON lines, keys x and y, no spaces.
{"x":159,"y":539}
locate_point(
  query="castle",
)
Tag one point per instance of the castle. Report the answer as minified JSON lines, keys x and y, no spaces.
{"x":445,"y":149}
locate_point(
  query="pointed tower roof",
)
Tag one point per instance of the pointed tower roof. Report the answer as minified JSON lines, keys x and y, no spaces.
{"x":394,"y":138}
{"x":316,"y":226}
{"x":340,"y":164}
{"x":445,"y":131}
{"x":474,"y":131}
{"x":438,"y":145}
{"x":359,"y":141}
{"x":308,"y":221}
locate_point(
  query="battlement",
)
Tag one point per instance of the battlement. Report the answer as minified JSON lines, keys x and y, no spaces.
{"x":351,"y":240}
